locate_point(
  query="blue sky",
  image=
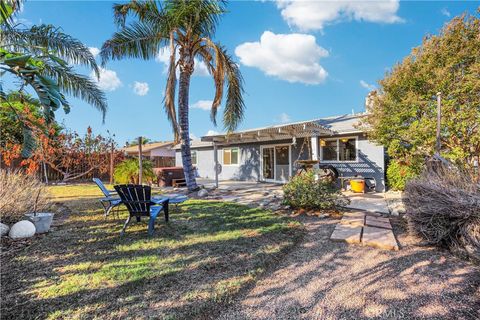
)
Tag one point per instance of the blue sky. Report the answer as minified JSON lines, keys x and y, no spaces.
{"x":300,"y":60}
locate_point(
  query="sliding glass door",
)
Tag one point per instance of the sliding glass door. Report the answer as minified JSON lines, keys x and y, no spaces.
{"x":276,"y":163}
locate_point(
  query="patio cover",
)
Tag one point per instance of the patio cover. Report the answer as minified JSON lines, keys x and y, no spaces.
{"x":303,"y":129}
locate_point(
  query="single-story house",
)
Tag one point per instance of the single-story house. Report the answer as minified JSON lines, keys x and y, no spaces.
{"x":161,"y":154}
{"x":272,"y":153}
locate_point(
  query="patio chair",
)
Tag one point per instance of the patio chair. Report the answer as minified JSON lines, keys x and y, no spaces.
{"x":139,"y":202}
{"x":109,"y":202}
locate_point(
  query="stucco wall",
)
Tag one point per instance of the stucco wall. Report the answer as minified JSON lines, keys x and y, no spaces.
{"x":370,"y":161}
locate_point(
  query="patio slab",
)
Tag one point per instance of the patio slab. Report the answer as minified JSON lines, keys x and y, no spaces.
{"x":379,"y":238}
{"x":354,"y":221}
{"x":378,"y":222}
{"x":346,"y":233}
{"x":370,"y":202}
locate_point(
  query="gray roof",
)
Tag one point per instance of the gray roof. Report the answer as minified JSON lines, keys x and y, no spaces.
{"x":342,"y":124}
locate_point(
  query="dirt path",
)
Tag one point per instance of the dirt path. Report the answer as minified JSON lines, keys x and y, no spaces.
{"x":327,"y":280}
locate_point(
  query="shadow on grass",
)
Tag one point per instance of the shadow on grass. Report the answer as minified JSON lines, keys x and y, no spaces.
{"x":192,"y":265}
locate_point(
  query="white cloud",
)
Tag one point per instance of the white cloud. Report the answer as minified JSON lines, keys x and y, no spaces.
{"x":368,"y":86}
{"x":140,"y":88}
{"x":202,"y":104}
{"x":163,"y":57}
{"x":314,"y":15}
{"x":292,"y":57}
{"x":445,"y":12}
{"x":283,"y":118}
{"x":212,"y":133}
{"x":109,"y":80}
{"x":94,"y":51}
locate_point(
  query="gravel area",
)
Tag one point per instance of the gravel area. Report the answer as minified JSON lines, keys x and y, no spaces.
{"x":321,"y":279}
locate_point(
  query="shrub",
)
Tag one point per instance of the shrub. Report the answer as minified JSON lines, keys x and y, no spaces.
{"x":443,"y":207}
{"x":18,"y":193}
{"x":306,"y":192}
{"x":399,"y":173}
{"x":127,"y":171}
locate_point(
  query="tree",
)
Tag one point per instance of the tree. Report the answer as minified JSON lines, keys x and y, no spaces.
{"x":39,"y":57}
{"x":402,"y":116}
{"x":186,"y":28}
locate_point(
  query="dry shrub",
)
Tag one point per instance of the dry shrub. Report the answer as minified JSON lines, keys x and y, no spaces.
{"x":18,"y":195}
{"x":443,"y":207}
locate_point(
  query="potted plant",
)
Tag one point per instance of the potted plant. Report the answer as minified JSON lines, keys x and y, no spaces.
{"x":41,"y":220}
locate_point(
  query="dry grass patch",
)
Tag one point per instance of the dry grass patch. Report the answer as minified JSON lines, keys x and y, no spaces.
{"x":191,"y":266}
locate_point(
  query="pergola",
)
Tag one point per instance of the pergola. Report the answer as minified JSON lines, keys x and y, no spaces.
{"x":306,"y":129}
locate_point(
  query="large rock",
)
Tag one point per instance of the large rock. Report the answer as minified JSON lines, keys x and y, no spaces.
{"x":4,"y":229}
{"x":202,"y":193}
{"x":22,"y":229}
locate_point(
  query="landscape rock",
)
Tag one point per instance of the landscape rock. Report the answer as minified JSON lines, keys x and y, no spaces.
{"x":202,"y":193}
{"x":4,"y":229}
{"x":22,"y":229}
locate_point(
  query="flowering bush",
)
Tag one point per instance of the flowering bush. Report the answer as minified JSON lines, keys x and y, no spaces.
{"x":306,"y":191}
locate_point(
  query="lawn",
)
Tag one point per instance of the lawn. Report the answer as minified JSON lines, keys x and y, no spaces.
{"x":191,"y":267}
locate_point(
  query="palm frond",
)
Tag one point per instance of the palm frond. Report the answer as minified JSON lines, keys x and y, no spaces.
{"x":44,"y":40}
{"x":234,"y":106}
{"x":138,"y":40}
{"x":77,"y":85}
{"x":169,"y":101}
{"x":8,"y":9}
{"x":142,"y":10}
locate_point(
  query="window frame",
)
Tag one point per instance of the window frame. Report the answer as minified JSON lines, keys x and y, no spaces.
{"x":196,"y":157}
{"x":238,"y":156}
{"x":338,"y":150}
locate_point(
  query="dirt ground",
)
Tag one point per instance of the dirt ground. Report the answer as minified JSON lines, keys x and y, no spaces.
{"x":321,"y":279}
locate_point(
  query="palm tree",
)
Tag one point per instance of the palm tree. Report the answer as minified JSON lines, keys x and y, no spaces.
{"x":186,"y":27}
{"x":39,"y":57}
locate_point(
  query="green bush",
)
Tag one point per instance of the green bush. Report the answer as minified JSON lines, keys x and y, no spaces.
{"x":399,"y":173}
{"x":127,"y":172}
{"x":306,"y":192}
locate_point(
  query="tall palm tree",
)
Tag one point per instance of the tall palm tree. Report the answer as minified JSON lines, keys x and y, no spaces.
{"x":186,"y":27}
{"x":40,"y":57}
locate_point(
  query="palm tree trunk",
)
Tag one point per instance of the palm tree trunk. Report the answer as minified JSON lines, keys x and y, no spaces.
{"x":183,"y":93}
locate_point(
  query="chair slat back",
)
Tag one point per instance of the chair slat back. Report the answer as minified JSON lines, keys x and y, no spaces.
{"x":102,"y":187}
{"x":136,"y":198}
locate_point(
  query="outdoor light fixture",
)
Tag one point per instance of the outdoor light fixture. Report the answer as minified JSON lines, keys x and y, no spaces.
{"x":344,"y":140}
{"x":322,"y":143}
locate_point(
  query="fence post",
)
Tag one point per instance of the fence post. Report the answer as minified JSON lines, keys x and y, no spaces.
{"x":140,"y":165}
{"x":111,"y":164}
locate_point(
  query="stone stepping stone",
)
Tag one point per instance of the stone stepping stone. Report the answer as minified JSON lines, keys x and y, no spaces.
{"x":379,"y":238}
{"x":378,"y":222}
{"x":354,"y":221}
{"x":346,"y":233}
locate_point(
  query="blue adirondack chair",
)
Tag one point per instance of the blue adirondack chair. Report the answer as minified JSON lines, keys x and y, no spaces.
{"x":110,"y":201}
{"x":139,"y":202}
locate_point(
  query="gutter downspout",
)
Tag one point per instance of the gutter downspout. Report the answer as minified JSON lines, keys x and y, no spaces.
{"x":215,"y":160}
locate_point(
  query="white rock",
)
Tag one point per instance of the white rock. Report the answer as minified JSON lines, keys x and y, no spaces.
{"x":4,"y":229}
{"x":22,"y":229}
{"x":202,"y":193}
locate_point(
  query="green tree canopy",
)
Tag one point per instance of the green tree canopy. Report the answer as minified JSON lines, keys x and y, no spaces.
{"x":402,"y":116}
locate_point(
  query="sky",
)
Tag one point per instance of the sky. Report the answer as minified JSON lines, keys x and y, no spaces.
{"x":300,"y":60}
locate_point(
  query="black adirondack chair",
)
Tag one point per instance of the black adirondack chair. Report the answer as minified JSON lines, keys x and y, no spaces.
{"x":139,"y":202}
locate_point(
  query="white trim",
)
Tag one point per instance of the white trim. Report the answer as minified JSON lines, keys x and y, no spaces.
{"x":338,"y":150}
{"x":267,"y":146}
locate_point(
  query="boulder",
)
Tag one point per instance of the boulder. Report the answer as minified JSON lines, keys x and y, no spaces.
{"x":202,"y":193}
{"x":4,"y":229}
{"x":22,"y":229}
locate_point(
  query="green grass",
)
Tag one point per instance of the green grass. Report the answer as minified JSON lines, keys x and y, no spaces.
{"x":194,"y":264}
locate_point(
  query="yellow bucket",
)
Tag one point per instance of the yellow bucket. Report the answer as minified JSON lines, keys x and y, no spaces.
{"x":357,"y":185}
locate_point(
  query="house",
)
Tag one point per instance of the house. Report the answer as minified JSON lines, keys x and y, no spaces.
{"x":161,"y":154}
{"x":271,"y":153}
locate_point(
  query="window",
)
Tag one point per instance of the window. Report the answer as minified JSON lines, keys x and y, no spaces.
{"x":329,"y":150}
{"x":342,"y":149}
{"x":230,"y":156}
{"x":194,"y":157}
{"x":347,"y":150}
